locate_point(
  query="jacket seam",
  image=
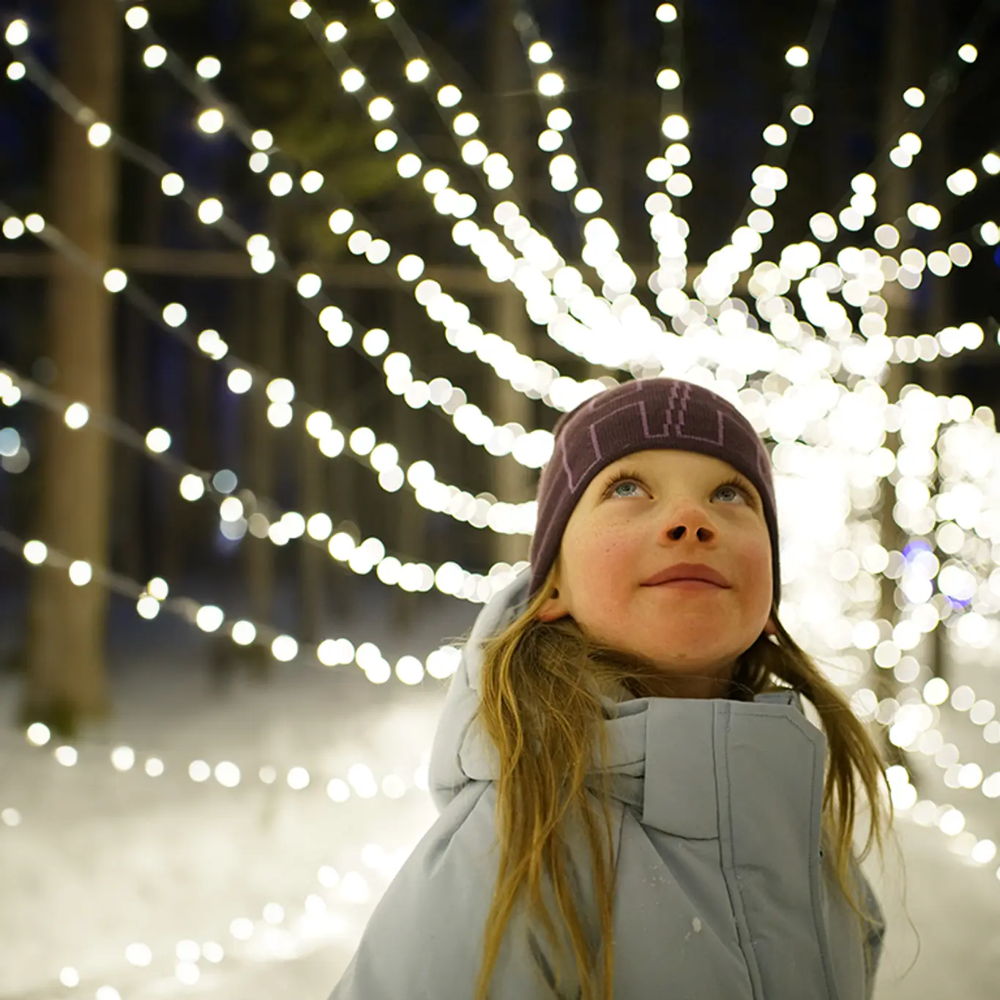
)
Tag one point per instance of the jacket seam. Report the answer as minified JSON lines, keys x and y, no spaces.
{"x":816,"y":874}
{"x":729,"y":875}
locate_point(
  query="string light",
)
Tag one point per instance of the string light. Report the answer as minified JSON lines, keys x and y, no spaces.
{"x":544,"y":307}
{"x":358,"y":782}
{"x":210,"y":211}
{"x":439,"y":664}
{"x":263,"y":519}
{"x":481,"y":511}
{"x":280,"y":184}
{"x":409,"y":164}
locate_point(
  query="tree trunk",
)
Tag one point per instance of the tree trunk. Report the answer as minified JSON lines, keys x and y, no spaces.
{"x":65,"y":651}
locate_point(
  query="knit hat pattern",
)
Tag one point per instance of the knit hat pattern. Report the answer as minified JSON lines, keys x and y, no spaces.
{"x":636,"y":416}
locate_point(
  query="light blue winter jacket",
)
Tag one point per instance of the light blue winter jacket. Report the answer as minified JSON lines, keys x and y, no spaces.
{"x":721,"y":891}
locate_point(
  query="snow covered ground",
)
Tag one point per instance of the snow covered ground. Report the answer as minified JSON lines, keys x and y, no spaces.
{"x":160,"y":886}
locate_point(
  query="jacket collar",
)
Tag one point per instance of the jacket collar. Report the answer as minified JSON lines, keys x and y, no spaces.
{"x":671,"y":739}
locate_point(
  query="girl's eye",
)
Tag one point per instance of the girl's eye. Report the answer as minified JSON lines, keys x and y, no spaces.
{"x":626,"y":485}
{"x":625,"y":488}
{"x":737,"y":487}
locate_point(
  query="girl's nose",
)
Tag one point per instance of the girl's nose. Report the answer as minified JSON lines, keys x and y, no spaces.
{"x":689,"y":521}
{"x":689,"y":529}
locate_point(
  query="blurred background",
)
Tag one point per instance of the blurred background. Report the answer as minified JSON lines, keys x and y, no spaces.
{"x":291,"y":296}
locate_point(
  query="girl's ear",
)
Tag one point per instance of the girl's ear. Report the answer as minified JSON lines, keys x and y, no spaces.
{"x":553,"y":608}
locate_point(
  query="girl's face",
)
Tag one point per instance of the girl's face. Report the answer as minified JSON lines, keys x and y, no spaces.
{"x":642,"y":515}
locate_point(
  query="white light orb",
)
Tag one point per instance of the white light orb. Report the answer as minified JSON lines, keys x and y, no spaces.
{"x":375,"y":342}
{"x":801,"y":114}
{"x":208,"y":67}
{"x":417,"y":70}
{"x":675,"y":127}
{"x":157,"y":440}
{"x":797,"y":56}
{"x":551,"y":84}
{"x":115,"y":279}
{"x":211,"y":120}
{"x":262,"y":139}
{"x":668,"y":79}
{"x":284,"y":648}
{"x":136,"y":17}
{"x":210,"y":211}
{"x":309,"y":285}
{"x":76,"y":416}
{"x":352,"y":79}
{"x":380,"y":108}
{"x":17,"y":32}
{"x":311,"y":181}
{"x":99,"y":134}
{"x":209,"y":618}
{"x":154,"y":56}
{"x":239,"y":381}
{"x":335,"y":31}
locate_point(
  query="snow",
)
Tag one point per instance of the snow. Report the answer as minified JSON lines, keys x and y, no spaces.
{"x":93,"y":860}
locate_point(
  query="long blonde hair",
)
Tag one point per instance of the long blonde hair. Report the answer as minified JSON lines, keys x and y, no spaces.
{"x":541,"y":706}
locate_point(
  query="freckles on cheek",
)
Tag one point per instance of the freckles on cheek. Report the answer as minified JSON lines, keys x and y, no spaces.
{"x":608,"y":555}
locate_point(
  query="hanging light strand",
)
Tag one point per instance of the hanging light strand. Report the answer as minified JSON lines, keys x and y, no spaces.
{"x":481,"y":510}
{"x":241,"y":511}
{"x":534,"y":378}
{"x":156,"y":595}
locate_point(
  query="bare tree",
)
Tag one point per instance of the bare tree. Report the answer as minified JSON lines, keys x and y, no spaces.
{"x":65,"y":648}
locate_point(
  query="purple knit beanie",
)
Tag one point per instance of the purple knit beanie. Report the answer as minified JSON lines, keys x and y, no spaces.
{"x":636,"y":416}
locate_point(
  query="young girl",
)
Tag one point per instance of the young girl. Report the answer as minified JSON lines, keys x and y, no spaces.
{"x":633,"y":802}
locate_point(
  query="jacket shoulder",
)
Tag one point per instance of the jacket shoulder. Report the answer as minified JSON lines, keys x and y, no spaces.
{"x":424,"y":938}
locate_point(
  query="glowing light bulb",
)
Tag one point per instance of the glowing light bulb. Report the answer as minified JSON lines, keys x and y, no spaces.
{"x":675,"y":127}
{"x":262,"y":139}
{"x":115,"y":279}
{"x":171,"y":184}
{"x":208,"y":67}
{"x":417,"y":70}
{"x":76,"y":415}
{"x":99,"y":134}
{"x":210,"y":211}
{"x":335,"y":31}
{"x":797,"y":56}
{"x":551,"y":84}
{"x":449,"y":95}
{"x":352,"y":79}
{"x":137,"y":17}
{"x":17,"y":32}
{"x":539,"y":52}
{"x":154,"y":56}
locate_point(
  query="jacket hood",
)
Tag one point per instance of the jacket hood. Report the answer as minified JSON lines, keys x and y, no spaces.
{"x":462,"y":752}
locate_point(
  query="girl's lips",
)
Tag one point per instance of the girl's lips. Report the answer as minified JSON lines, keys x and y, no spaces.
{"x":687,"y":571}
{"x":690,"y":585}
